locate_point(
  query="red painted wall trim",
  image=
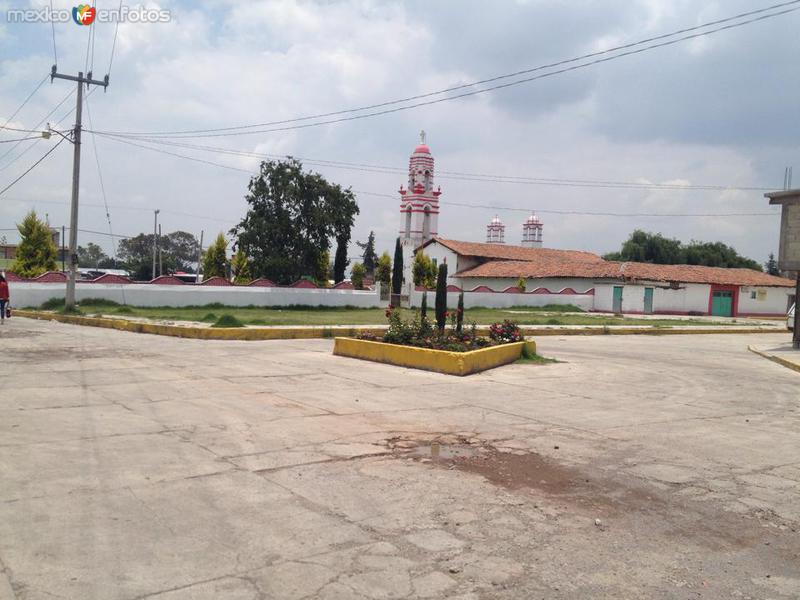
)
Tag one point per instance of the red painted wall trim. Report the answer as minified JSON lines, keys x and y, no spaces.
{"x":724,"y":288}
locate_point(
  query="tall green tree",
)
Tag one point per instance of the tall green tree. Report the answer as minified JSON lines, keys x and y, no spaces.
{"x":424,"y":270}
{"x":441,"y":297}
{"x":357,"y":276}
{"x":92,"y":256}
{"x":215,"y":260}
{"x":324,"y":270}
{"x":36,"y":252}
{"x":178,"y":253}
{"x":292,"y":217}
{"x":771,"y":265}
{"x":369,"y":257}
{"x":397,"y":268}
{"x":383,"y":270}
{"x":240,"y":267}
{"x":643,"y":246}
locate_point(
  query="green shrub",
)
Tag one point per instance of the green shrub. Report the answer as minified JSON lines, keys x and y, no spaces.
{"x":98,"y":302}
{"x":357,"y":275}
{"x":209,"y":318}
{"x":227,"y":320}
{"x":124,"y":310}
{"x":52,"y":304}
{"x":553,"y":322}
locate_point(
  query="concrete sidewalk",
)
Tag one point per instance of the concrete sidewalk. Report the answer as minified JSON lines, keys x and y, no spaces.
{"x":783,"y":354}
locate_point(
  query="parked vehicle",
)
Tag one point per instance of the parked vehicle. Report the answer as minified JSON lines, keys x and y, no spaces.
{"x":790,"y":318}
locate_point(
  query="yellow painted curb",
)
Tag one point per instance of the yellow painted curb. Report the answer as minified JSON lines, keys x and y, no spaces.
{"x":440,"y":361}
{"x":295,"y":333}
{"x":198,"y":333}
{"x":776,"y":359}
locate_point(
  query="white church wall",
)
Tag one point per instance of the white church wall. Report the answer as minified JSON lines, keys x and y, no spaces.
{"x":33,"y":294}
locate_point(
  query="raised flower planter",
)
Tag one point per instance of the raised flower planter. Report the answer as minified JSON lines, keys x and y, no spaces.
{"x":441,"y":361}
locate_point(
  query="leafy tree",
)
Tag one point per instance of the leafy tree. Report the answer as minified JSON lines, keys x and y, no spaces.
{"x":383,"y":270}
{"x":178,"y":253}
{"x":36,"y":253}
{"x":397,"y":268}
{"x":369,"y":256}
{"x":441,"y":297}
{"x":92,"y":256}
{"x":240,"y":265}
{"x":291,"y":219}
{"x":323,"y":274}
{"x":424,"y":270}
{"x":771,"y":265}
{"x":357,"y":275}
{"x":215,"y":260}
{"x":643,"y":246}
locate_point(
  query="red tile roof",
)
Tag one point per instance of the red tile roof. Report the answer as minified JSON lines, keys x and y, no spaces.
{"x":508,"y":252}
{"x":629,"y":271}
{"x":551,"y":266}
{"x":515,"y":261}
{"x":698,"y":274}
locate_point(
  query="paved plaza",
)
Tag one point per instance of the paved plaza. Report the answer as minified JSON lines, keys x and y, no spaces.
{"x":137,"y":466}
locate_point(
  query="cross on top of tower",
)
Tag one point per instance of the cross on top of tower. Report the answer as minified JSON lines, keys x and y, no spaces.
{"x":422,"y":136}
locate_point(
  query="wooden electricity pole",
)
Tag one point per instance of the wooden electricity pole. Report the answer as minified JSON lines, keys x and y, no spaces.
{"x":76,"y":175}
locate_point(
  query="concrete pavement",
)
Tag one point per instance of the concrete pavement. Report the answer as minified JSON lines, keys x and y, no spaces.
{"x":136,"y":466}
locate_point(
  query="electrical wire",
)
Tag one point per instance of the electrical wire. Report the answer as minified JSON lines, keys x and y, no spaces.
{"x":114,"y":42}
{"x":33,"y":137}
{"x":466,"y":205}
{"x":102,"y":184}
{"x":29,"y":169}
{"x":236,"y":130}
{"x":53,"y":27}
{"x":47,"y":116}
{"x":453,"y":175}
{"x":24,"y":102}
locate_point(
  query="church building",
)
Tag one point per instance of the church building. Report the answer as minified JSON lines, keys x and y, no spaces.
{"x":489,"y":272}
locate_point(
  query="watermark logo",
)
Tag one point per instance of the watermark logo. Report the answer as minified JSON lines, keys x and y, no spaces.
{"x":83,"y":14}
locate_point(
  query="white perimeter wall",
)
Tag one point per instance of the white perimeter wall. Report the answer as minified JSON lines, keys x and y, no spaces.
{"x":25,"y":294}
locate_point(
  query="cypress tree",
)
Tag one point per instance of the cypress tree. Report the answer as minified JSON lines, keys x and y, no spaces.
{"x":36,"y":252}
{"x":397,"y":268}
{"x":441,"y":297}
{"x":460,"y":313}
{"x":423,"y":308}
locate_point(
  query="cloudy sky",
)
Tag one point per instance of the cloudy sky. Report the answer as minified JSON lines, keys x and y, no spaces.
{"x":721,"y":110}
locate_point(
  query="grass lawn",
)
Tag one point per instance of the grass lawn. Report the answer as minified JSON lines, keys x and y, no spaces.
{"x":365,"y":316}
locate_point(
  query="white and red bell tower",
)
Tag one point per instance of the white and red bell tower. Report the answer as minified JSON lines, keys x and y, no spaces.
{"x":419,"y":205}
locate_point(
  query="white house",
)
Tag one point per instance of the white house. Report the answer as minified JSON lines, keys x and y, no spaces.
{"x":489,"y":273}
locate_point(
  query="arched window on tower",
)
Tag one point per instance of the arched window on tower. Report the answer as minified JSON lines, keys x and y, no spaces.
{"x":426,"y":223}
{"x":408,"y":223}
{"x":428,"y":184}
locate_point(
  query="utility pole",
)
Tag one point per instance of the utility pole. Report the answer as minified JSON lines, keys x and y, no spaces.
{"x":76,"y":175}
{"x":155,"y":241}
{"x":199,"y":255}
{"x":63,"y":249}
{"x":160,"y":263}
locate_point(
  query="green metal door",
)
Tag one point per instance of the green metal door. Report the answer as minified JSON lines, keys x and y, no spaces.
{"x":648,"y":300}
{"x":722,"y":304}
{"x":617,"y":299}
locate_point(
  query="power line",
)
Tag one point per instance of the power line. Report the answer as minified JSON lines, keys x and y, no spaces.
{"x":454,"y":175}
{"x":33,"y":137}
{"x":29,"y":169}
{"x":102,"y":184}
{"x":237,"y":130}
{"x":24,"y":102}
{"x":54,"y":109}
{"x":114,"y":43}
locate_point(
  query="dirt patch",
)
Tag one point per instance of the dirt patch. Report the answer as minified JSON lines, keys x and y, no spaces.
{"x":511,"y":470}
